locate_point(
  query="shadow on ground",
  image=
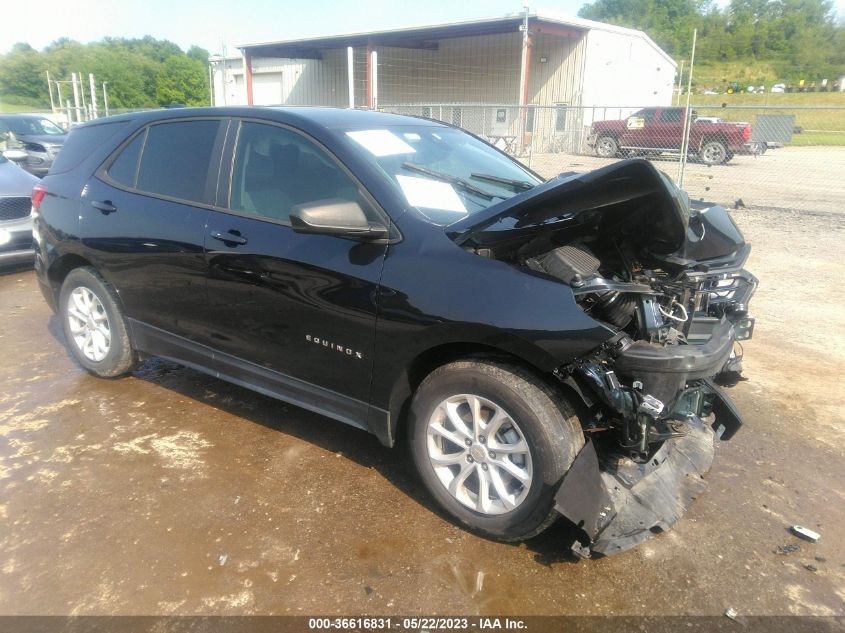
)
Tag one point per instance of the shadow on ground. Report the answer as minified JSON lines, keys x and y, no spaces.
{"x":394,"y":464}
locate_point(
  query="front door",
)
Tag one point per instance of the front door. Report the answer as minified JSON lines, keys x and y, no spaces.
{"x":638,"y":129}
{"x":296,"y":308}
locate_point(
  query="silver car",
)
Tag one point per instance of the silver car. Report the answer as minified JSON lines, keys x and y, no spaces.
{"x":15,"y":209}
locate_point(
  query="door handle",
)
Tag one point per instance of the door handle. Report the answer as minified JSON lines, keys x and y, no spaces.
{"x":229,"y":237}
{"x":105,"y":206}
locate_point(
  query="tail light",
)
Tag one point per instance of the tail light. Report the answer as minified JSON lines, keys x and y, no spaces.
{"x":38,"y":193}
{"x":746,"y":133}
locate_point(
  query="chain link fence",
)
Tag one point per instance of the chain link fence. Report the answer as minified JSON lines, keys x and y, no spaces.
{"x":777,"y":157}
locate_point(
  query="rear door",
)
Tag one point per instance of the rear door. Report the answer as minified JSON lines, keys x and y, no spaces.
{"x":287,"y":307}
{"x":143,"y":220}
{"x":668,"y":128}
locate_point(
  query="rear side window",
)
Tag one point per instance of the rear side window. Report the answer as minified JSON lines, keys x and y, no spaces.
{"x":81,"y":142}
{"x":671,"y":116}
{"x":125,"y":168}
{"x":176,"y":157}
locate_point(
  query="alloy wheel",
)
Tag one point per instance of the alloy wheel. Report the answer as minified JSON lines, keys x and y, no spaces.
{"x":479,"y":454}
{"x":89,"y":324}
{"x":714,"y":153}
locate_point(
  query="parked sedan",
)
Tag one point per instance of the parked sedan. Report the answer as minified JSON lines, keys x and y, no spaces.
{"x":15,"y":206}
{"x":37,"y":135}
{"x":547,"y":348}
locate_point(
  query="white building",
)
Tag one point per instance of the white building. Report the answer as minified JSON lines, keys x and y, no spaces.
{"x":447,"y":71}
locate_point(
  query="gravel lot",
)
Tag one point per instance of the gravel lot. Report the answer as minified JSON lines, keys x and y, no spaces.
{"x":787,"y":178}
{"x":169,"y":492}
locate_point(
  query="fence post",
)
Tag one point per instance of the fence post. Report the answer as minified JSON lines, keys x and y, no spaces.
{"x":685,"y":139}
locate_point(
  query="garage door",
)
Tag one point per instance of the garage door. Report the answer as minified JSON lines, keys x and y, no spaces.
{"x":267,"y":89}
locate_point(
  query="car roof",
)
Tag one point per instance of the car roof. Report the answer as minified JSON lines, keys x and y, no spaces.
{"x":21,"y":115}
{"x":298,"y":116}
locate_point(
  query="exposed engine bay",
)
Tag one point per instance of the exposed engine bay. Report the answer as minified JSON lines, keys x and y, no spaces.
{"x":666,"y":279}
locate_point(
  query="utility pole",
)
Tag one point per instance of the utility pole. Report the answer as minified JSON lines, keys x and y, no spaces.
{"x":76,"y":97}
{"x":82,"y":94}
{"x":524,"y":77}
{"x":374,"y":104}
{"x":50,"y":90}
{"x":350,"y":71}
{"x":680,"y":74}
{"x":685,"y":140}
{"x":93,"y":89}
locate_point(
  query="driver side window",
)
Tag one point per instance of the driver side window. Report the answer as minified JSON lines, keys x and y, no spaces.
{"x":276,"y":169}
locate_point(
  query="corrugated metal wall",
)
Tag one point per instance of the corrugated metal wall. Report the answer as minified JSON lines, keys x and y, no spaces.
{"x":557,"y":81}
{"x":305,"y":81}
{"x":462,"y":70}
{"x":483,"y":69}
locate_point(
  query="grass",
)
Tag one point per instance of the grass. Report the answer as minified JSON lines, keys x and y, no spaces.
{"x":768,"y":99}
{"x":13,"y":103}
{"x":818,"y":138}
{"x":822,"y":125}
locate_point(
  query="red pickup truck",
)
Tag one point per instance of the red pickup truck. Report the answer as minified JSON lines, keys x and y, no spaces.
{"x":658,"y":130}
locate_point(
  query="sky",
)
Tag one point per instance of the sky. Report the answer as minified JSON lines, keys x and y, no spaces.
{"x":214,"y":23}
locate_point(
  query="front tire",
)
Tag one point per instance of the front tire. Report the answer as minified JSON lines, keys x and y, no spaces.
{"x":607,"y":147}
{"x":491,"y":442}
{"x":94,"y":324}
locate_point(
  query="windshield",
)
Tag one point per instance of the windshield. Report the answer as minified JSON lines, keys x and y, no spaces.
{"x":444,"y":173}
{"x":33,"y":125}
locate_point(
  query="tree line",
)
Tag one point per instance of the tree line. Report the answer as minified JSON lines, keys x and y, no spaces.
{"x":141,"y":73}
{"x":802,"y":39}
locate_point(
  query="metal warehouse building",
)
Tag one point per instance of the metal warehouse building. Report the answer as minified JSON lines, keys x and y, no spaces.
{"x":445,"y":70}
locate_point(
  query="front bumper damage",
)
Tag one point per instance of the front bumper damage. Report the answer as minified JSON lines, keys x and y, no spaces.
{"x":621,"y":498}
{"x":621,"y":504}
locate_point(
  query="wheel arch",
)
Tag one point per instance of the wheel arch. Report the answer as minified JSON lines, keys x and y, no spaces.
{"x":406,"y":384}
{"x":61,"y":267}
{"x":718,"y":136}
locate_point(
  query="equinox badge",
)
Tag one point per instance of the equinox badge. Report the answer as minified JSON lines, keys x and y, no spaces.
{"x":329,"y":345}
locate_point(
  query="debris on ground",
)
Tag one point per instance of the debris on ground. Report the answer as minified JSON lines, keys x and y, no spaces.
{"x":811,"y":568}
{"x":821,"y":559}
{"x":222,"y":559}
{"x":805,"y":533}
{"x":733,"y":615}
{"x":788,"y":548}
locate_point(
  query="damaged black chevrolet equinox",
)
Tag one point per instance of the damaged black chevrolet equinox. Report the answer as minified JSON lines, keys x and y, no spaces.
{"x":547,"y":347}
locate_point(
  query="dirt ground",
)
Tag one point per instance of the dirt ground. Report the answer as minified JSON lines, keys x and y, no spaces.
{"x":170,"y":492}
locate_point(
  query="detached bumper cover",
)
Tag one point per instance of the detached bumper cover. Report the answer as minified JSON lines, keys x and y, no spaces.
{"x":621,"y":504}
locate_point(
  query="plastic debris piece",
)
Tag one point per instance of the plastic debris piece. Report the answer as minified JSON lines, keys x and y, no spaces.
{"x":805,"y":533}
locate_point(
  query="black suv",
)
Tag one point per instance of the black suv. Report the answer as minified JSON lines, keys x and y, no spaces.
{"x":548,"y":348}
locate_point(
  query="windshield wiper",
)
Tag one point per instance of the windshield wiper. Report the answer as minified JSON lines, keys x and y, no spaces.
{"x":454,"y":180}
{"x":519,"y":185}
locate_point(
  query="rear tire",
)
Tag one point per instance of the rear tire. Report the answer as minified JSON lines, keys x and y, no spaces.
{"x":94,"y":324}
{"x":501,"y":485}
{"x":713,"y":153}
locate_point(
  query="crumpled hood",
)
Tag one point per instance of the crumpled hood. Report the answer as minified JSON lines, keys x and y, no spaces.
{"x":630,"y":196}
{"x":42,"y":139}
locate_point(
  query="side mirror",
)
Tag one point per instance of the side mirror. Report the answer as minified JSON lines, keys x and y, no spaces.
{"x":15,"y":155}
{"x":335,"y":217}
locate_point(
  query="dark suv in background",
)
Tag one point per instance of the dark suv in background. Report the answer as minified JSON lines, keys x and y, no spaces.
{"x":548,"y":348}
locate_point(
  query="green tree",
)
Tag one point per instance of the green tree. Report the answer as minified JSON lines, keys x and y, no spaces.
{"x":182,"y":80}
